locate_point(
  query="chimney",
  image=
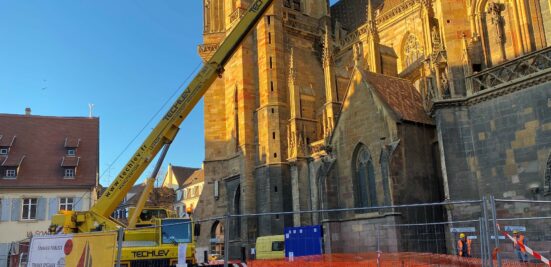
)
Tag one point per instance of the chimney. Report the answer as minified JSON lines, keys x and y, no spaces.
{"x":28,"y":111}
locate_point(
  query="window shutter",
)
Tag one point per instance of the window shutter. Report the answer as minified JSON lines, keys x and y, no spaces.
{"x":41,"y":209}
{"x":78,"y":204}
{"x":5,"y":215}
{"x":15,"y":209}
{"x":53,"y":207}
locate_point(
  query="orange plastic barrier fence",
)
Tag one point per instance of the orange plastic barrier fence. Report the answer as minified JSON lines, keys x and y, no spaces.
{"x":404,"y":259}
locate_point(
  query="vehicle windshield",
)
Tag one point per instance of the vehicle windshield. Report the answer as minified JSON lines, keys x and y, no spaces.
{"x":176,"y":231}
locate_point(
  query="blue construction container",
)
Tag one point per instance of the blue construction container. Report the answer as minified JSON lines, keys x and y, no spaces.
{"x":303,"y":241}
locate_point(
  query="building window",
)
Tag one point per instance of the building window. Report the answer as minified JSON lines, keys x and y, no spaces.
{"x":66,"y":203}
{"x":287,"y":3}
{"x":29,"y":209}
{"x":4,"y":151}
{"x":69,"y":173}
{"x":11,"y":173}
{"x":296,"y":5}
{"x":364,"y":179}
{"x":71,"y":152}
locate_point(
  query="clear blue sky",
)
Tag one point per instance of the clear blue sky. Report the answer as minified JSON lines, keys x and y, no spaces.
{"x":127,"y":57}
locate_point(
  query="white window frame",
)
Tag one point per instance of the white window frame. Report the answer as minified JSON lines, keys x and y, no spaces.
{"x":30,"y":202}
{"x":69,"y":173}
{"x":66,"y":202}
{"x":11,"y":173}
{"x":71,"y":152}
{"x":4,"y":151}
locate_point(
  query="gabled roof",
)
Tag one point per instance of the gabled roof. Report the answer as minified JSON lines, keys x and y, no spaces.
{"x":182,"y":173}
{"x":400,"y":95}
{"x":196,"y":177}
{"x":40,"y":141}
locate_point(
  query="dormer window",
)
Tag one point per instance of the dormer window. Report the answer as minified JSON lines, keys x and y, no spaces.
{"x":11,"y":173}
{"x":71,"y":152}
{"x":4,"y":151}
{"x":69,"y":173}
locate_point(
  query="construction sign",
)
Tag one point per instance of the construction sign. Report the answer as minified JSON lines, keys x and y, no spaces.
{"x":82,"y":250}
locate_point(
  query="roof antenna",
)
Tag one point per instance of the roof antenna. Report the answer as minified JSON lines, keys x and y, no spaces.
{"x":90,"y":110}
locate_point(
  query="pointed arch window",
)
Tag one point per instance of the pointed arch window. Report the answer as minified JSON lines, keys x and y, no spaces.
{"x":365,"y":190}
{"x":412,"y":50}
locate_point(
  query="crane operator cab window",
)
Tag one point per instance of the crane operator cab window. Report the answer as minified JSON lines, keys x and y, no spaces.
{"x":176,"y":231}
{"x":148,"y":215}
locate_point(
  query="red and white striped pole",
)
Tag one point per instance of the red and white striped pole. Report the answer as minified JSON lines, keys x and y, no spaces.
{"x":529,"y":250}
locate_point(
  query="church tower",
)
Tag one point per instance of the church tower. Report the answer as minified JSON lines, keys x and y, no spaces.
{"x":250,"y":110}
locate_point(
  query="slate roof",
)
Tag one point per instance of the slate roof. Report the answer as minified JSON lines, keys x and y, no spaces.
{"x":37,"y":148}
{"x":196,"y":177}
{"x":400,"y":95}
{"x":182,"y":173}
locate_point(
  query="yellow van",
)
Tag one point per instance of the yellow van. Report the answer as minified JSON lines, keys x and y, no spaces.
{"x":270,"y":247}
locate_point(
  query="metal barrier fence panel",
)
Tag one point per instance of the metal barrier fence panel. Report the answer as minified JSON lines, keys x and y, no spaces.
{"x":420,"y":234}
{"x":400,"y":235}
{"x":532,"y":219}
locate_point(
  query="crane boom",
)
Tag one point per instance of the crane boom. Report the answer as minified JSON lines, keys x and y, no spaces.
{"x":98,"y":218}
{"x":158,"y":244}
{"x":168,"y":126}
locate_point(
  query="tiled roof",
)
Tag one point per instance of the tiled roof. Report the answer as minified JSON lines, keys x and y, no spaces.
{"x":196,"y":177}
{"x":12,"y":161}
{"x":70,"y":161}
{"x":72,"y":142}
{"x":7,"y":141}
{"x":40,"y":140}
{"x":400,"y":95}
{"x":182,"y":173}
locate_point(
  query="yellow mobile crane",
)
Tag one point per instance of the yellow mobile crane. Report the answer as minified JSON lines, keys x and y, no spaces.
{"x":158,"y":245}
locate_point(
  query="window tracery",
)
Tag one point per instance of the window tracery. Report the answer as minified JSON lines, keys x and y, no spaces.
{"x":412,"y":50}
{"x":364,"y":182}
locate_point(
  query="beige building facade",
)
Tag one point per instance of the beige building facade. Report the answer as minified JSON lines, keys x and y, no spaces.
{"x":47,"y":164}
{"x":28,"y":212}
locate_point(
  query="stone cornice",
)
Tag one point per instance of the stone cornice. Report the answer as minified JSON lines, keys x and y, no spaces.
{"x":489,"y":94}
{"x":400,"y":9}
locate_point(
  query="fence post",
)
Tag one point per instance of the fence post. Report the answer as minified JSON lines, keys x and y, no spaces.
{"x":378,"y":245}
{"x":482,"y":249}
{"x":496,"y":235}
{"x":227,"y":229}
{"x":486,"y":232}
{"x":119,"y":245}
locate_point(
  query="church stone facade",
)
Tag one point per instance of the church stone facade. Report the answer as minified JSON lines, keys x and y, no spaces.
{"x":370,"y":103}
